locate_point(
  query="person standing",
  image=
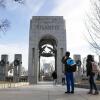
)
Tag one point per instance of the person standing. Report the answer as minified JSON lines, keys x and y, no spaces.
{"x":69,"y":73}
{"x":91,"y":75}
{"x":54,"y":75}
{"x":63,"y":78}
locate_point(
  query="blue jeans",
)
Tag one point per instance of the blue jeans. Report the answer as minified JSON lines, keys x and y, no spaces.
{"x":70,"y":81}
{"x":92,"y":83}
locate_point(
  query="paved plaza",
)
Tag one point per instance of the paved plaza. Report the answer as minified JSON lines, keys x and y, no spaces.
{"x":44,"y":91}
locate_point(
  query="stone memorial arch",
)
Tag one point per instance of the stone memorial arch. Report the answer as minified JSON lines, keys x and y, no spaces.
{"x":46,"y":30}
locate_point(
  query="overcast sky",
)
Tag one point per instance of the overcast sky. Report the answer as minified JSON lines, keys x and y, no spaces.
{"x":15,"y":40}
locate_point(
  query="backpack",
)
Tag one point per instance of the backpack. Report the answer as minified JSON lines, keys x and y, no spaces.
{"x":95,"y":67}
{"x":73,"y":67}
{"x":70,"y":65}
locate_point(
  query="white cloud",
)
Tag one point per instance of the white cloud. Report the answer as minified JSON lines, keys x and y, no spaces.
{"x":33,"y":6}
{"x":74,"y":12}
{"x":30,"y":8}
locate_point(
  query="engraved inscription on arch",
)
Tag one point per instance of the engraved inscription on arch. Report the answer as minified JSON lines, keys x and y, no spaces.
{"x":47,"y":27}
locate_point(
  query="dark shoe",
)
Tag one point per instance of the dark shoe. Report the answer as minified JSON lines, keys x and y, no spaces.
{"x":67,"y":92}
{"x":72,"y":92}
{"x":96,"y":93}
{"x":90,"y":92}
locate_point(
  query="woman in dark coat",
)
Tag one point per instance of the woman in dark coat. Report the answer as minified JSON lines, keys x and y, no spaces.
{"x":91,"y":75}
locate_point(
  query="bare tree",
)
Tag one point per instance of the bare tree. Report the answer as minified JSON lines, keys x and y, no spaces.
{"x":5,"y":23}
{"x":93,"y":26}
{"x":20,"y":1}
{"x":2,"y":3}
